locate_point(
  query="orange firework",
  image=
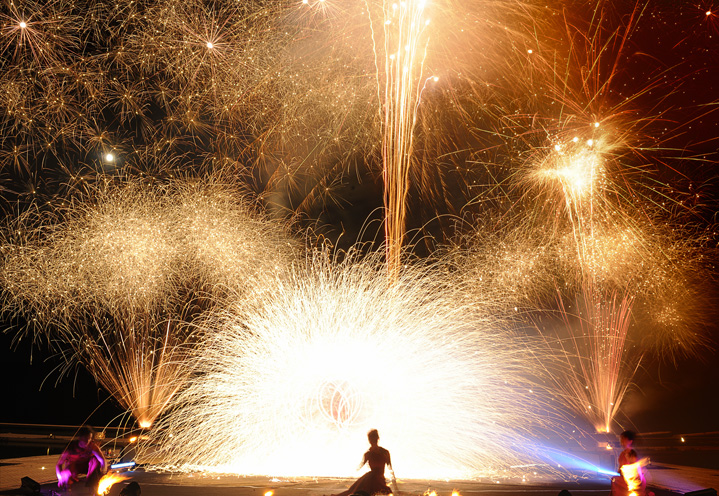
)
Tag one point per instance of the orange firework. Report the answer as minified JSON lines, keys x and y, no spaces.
{"x":119,"y":275}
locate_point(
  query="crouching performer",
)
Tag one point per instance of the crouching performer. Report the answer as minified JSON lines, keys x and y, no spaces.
{"x":81,"y":456}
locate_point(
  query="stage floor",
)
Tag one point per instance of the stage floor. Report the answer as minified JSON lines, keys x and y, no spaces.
{"x":663,"y":479}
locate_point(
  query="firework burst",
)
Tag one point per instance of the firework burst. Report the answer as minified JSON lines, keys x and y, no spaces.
{"x":600,"y":361}
{"x":117,"y":276}
{"x":292,"y":385}
{"x":529,"y":110}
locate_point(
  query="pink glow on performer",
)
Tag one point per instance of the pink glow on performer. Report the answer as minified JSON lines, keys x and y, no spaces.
{"x":82,"y":455}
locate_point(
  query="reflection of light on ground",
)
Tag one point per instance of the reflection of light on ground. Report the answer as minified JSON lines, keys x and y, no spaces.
{"x":568,"y":461}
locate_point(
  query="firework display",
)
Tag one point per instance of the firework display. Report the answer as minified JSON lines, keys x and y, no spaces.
{"x":602,"y":361}
{"x":292,"y":386}
{"x":533,"y":151}
{"x":117,"y":276}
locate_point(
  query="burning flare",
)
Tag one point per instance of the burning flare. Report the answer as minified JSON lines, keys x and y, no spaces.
{"x":107,"y":481}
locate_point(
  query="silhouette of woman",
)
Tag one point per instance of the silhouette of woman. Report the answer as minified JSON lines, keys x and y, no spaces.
{"x":373,"y":482}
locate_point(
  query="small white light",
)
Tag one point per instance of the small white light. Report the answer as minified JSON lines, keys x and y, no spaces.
{"x":22,"y":24}
{"x":530,"y":51}
{"x":109,"y":157}
{"x":210,"y":45}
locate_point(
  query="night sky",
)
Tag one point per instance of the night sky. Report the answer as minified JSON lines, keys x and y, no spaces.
{"x":675,"y":46}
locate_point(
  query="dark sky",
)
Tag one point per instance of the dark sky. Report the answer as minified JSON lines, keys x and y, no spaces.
{"x":32,"y":393}
{"x":682,"y":37}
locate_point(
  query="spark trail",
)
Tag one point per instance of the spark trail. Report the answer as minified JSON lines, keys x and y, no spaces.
{"x":405,"y":51}
{"x":114,"y":279}
{"x":600,"y":359}
{"x":292,"y":386}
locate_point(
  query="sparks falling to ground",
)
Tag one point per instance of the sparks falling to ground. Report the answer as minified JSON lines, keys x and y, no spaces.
{"x":291,"y":387}
{"x":115,"y":279}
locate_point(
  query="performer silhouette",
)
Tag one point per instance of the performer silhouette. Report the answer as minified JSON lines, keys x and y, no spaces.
{"x":373,"y":482}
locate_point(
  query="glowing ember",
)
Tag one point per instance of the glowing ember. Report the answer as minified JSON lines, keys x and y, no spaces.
{"x":108,"y":481}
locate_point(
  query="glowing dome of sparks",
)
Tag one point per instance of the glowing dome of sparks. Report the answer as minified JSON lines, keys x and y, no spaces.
{"x":292,"y":387}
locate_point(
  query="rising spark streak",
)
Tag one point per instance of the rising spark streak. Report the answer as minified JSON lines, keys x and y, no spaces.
{"x":600,"y":361}
{"x":405,"y":52}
